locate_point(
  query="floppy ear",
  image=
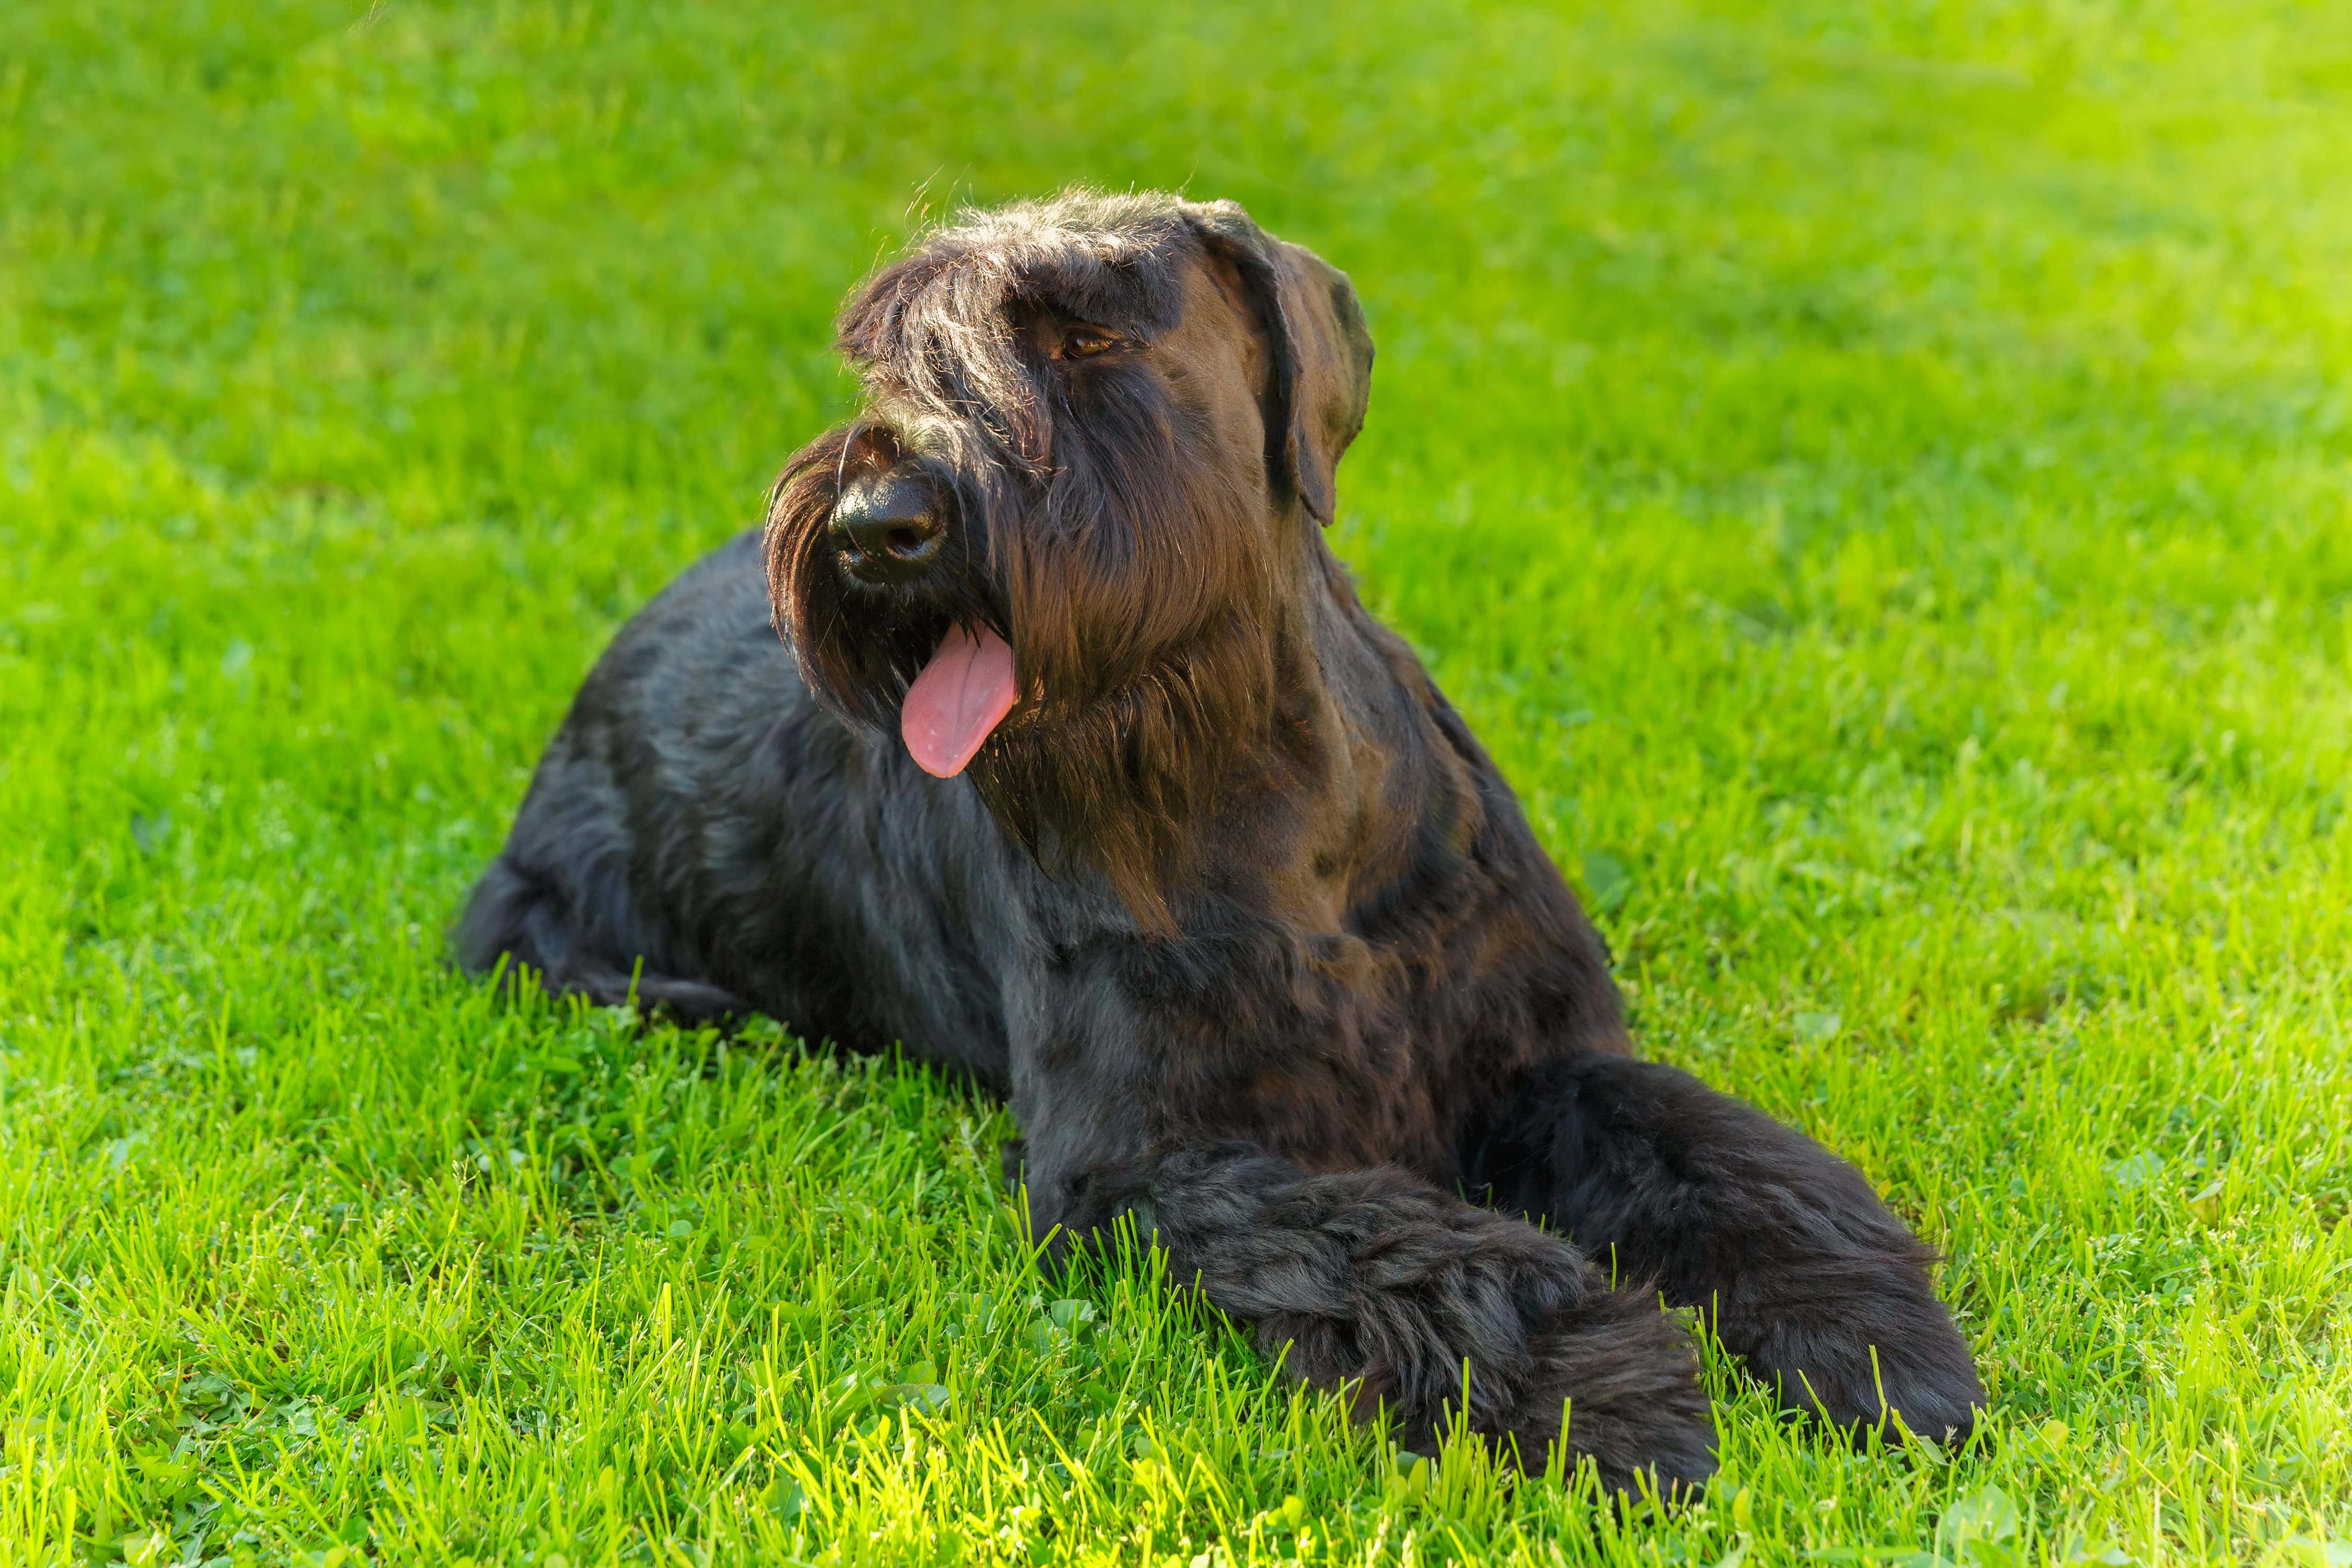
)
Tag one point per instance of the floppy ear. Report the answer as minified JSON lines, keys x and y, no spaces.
{"x":1321,"y":352}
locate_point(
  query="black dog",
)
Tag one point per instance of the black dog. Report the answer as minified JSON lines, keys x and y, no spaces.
{"x":1211,"y":882}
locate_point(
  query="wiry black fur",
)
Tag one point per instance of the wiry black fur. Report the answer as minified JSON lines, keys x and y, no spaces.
{"x":1233,"y":907}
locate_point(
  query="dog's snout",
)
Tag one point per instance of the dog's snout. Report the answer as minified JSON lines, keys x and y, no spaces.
{"x":888,"y":525}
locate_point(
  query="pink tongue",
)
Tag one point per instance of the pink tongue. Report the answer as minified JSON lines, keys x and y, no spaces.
{"x":963,"y":694}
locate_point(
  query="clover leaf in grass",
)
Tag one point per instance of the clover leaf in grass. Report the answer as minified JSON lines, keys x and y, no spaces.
{"x":1980,"y":1527}
{"x":925,"y":1397}
{"x":2081,"y":1553}
{"x":760,"y":1030}
{"x":1607,"y":879}
{"x":2302,"y":1552}
{"x":1818,"y":1028}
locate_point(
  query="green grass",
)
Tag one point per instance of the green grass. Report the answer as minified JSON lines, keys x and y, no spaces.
{"x":1881,"y":480}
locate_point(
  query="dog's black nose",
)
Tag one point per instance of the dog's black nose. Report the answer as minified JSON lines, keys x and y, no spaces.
{"x":888,"y":525}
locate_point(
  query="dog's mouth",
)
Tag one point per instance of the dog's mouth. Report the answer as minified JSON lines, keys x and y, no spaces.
{"x":957,"y":700}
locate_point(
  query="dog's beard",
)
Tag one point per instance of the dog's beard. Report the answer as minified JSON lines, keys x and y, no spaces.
{"x":1120,"y":786}
{"x":1137,"y":605}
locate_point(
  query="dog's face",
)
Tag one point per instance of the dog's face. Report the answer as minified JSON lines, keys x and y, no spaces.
{"x":1057,"y":544}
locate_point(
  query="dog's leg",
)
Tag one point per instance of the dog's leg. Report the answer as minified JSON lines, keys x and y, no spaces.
{"x":557,"y":928}
{"x":1376,"y":1281}
{"x":1782,"y":1245}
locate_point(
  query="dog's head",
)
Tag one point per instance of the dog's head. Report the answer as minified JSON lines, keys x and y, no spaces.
{"x":1057,"y":544}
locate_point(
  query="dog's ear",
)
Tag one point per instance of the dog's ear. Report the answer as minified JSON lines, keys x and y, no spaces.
{"x":1321,"y":351}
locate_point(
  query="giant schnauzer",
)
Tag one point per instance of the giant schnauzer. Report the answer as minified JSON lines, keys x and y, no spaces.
{"x":1079,"y":768}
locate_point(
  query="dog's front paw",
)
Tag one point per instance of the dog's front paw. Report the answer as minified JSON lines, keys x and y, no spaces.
{"x":1627,"y":1377}
{"x":1937,"y":1394}
{"x":1871,"y":1356}
{"x":1624,"y":1375}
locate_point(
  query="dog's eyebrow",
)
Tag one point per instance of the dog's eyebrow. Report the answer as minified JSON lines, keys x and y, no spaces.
{"x":1129,"y":295}
{"x":1069,"y":305}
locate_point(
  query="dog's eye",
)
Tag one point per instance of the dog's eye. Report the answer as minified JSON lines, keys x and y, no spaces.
{"x":1086,"y":344}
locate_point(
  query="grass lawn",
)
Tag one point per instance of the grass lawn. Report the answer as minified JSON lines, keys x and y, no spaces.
{"x":1879,"y":478}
